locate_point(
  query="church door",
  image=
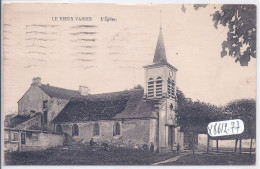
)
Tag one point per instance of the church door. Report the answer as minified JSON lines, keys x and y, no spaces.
{"x":23,"y":136}
{"x":45,"y":116}
{"x":170,"y":136}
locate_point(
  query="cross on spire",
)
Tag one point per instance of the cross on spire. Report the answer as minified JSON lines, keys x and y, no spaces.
{"x":160,"y":19}
{"x":159,"y":54}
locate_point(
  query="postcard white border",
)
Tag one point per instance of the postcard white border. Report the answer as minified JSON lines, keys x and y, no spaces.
{"x":138,"y":2}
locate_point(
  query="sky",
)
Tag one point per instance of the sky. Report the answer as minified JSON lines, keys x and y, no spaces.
{"x":109,"y":56}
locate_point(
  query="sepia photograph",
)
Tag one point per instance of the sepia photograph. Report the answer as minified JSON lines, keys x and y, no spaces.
{"x":112,"y":84}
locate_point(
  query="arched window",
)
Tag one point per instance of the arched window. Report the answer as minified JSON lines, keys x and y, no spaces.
{"x":150,"y":87}
{"x":75,"y":130}
{"x":96,"y":129}
{"x":116,"y":129}
{"x":159,"y":87}
{"x":59,"y":128}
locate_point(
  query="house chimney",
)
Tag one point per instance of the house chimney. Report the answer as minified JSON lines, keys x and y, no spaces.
{"x":83,"y":90}
{"x":36,"y":81}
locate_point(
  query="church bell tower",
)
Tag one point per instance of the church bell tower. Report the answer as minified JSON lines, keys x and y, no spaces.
{"x":160,"y":88}
{"x":160,"y":77}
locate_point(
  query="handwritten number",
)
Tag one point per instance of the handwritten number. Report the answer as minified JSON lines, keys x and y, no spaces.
{"x":238,"y":126}
{"x":209,"y":129}
{"x":233,"y":126}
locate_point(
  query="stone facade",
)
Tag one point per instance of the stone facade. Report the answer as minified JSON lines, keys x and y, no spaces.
{"x":133,"y":132}
{"x":56,"y":105}
{"x":33,"y":101}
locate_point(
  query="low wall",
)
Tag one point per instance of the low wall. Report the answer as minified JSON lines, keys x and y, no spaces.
{"x":33,"y":140}
{"x":230,"y":144}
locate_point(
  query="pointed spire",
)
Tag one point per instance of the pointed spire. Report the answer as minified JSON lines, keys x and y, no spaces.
{"x":160,"y":55}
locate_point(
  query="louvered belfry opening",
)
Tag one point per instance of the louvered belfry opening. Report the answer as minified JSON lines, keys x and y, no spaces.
{"x":150,"y":88}
{"x":159,"y":87}
{"x":171,"y":88}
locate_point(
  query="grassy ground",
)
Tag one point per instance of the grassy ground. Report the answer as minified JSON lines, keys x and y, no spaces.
{"x":215,"y":159}
{"x":81,"y":155}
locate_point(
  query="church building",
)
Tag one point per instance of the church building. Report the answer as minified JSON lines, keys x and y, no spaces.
{"x":131,"y":118}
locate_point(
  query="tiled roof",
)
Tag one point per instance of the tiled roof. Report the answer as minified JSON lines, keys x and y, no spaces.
{"x":19,"y":119}
{"x":117,"y":105}
{"x":16,"y":120}
{"x":59,"y":92}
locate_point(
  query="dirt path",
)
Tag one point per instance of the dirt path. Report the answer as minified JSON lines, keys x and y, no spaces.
{"x":174,"y":158}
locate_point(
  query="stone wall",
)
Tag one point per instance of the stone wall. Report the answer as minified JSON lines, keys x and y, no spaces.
{"x":188,"y":140}
{"x":44,"y":141}
{"x":34,"y":140}
{"x":10,"y":145}
{"x":134,"y":132}
{"x":55,"y":106}
{"x":154,"y":132}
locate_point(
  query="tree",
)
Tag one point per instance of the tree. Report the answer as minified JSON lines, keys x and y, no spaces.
{"x":241,"y":37}
{"x":244,"y":109}
{"x":194,"y":117}
{"x":138,"y":87}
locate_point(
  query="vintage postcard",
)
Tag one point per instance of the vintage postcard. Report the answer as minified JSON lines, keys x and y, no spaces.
{"x":129,"y":84}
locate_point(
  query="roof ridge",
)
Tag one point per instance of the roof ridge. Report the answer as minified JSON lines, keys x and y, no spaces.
{"x":59,"y":92}
{"x":118,"y":91}
{"x":99,"y":94}
{"x":58,"y":87}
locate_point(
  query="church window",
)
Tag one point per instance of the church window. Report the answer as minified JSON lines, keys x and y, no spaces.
{"x":75,"y":130}
{"x":150,"y":87}
{"x":116,"y":129}
{"x":173,"y":89}
{"x":96,"y":129}
{"x":59,"y":128}
{"x":169,"y":87}
{"x":159,"y":87}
